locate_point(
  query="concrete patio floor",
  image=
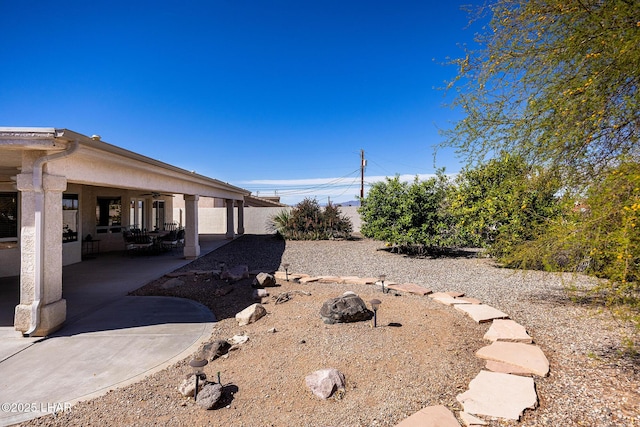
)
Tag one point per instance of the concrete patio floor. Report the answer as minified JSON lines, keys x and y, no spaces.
{"x":108,"y":339}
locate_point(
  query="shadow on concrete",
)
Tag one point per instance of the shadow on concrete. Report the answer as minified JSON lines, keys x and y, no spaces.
{"x":130,"y":314}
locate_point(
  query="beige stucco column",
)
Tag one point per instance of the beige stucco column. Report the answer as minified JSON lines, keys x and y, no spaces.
{"x":191,"y":241}
{"x":41,"y":304}
{"x":230,"y":234}
{"x":240,"y":217}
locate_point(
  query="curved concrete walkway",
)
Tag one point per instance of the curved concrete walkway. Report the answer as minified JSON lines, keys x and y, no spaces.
{"x":109,"y":340}
{"x":116,"y":345}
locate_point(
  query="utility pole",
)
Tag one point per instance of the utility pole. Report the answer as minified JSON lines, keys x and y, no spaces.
{"x":363,"y":164}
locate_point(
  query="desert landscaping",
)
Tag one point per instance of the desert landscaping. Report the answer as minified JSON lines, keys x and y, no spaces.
{"x":422,"y":352}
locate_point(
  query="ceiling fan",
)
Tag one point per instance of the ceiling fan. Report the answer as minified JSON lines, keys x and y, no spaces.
{"x":157,"y":195}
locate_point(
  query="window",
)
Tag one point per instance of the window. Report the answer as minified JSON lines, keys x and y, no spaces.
{"x":8,"y":217}
{"x":136,"y":214}
{"x":108,"y":214}
{"x":69,"y":218}
{"x":158,"y":214}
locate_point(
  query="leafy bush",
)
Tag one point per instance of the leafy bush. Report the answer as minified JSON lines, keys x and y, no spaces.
{"x":413,"y":217}
{"x":308,"y":221}
{"x":503,"y":203}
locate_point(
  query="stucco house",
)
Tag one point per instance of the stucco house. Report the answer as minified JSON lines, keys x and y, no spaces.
{"x":58,"y":186}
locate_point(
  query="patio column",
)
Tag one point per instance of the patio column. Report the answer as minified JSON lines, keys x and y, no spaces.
{"x":230,"y":234}
{"x":191,"y":241}
{"x":41,"y":304}
{"x":240,"y":217}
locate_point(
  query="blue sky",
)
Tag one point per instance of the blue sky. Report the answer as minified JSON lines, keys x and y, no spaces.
{"x":268,"y":95}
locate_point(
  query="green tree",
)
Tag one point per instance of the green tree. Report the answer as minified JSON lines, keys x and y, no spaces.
{"x":414,"y":217}
{"x":555,"y":81}
{"x":502,"y":203}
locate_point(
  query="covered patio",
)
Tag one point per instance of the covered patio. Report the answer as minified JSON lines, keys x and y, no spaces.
{"x":63,"y":193}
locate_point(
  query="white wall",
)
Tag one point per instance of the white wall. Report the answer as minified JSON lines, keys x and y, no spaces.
{"x":214,"y":220}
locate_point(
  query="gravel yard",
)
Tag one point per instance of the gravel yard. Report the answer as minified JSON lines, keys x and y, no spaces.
{"x":391,"y":372}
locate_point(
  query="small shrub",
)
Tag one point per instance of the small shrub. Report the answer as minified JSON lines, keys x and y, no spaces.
{"x":308,"y":221}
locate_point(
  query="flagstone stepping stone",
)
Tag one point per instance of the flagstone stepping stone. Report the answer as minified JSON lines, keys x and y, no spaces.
{"x":431,"y":416}
{"x":499,"y":395}
{"x":469,"y":420}
{"x":329,"y":279}
{"x":448,"y":300}
{"x":439,"y":295}
{"x":507,"y":368}
{"x":468,"y":300}
{"x":308,"y":279}
{"x":292,"y":277}
{"x":507,"y":330}
{"x":455,"y":294}
{"x":411,"y":288}
{"x":481,"y":312}
{"x":527,"y":356}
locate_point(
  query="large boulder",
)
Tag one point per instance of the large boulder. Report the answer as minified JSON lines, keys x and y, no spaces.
{"x":216,"y":349}
{"x":325,"y":382}
{"x":250,"y":314}
{"x":347,"y":308}
{"x":209,"y":395}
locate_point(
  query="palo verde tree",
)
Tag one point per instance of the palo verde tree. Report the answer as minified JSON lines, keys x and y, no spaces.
{"x":557,"y":82}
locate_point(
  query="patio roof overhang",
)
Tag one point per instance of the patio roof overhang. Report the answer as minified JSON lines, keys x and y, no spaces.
{"x":98,"y":163}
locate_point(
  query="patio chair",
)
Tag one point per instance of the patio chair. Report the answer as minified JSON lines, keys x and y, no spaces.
{"x":170,"y":226}
{"x":170,"y":241}
{"x":137,"y":241}
{"x":173,"y":240}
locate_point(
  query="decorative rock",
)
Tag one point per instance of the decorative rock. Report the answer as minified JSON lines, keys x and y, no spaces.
{"x":431,"y":416}
{"x":258,"y":294}
{"x":250,"y":314}
{"x":264,"y":280}
{"x":507,"y":330}
{"x":325,"y":382}
{"x":216,"y":349}
{"x":235,"y":273}
{"x":188,"y":386}
{"x":238,"y":339}
{"x":172,"y":283}
{"x":411,"y":288}
{"x":344,"y":309}
{"x":526,"y":356}
{"x":499,"y":395}
{"x":481,"y":313}
{"x":209,"y":395}
{"x":470,"y":421}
